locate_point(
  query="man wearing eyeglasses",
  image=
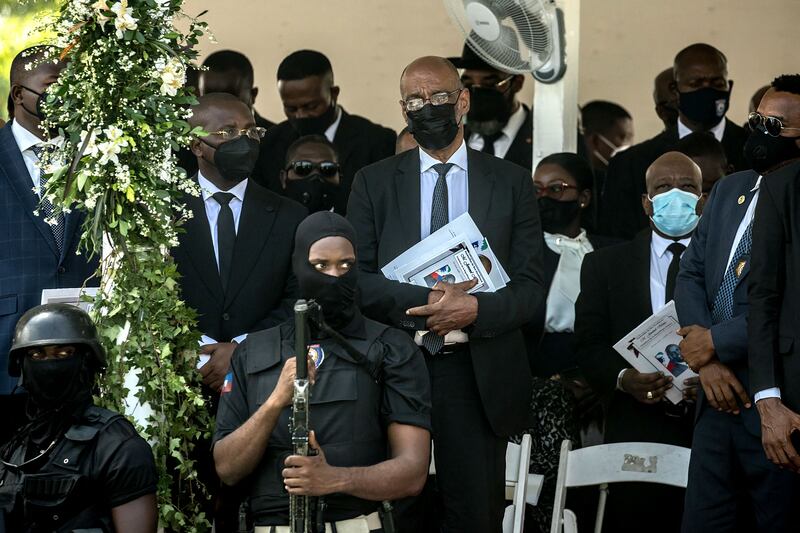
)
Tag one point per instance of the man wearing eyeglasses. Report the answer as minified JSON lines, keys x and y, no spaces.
{"x":235,"y":255}
{"x":732,"y":485}
{"x":497,"y":123}
{"x":473,"y":344}
{"x":311,"y":176}
{"x":774,"y":357}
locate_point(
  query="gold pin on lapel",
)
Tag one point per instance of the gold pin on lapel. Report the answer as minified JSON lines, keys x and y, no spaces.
{"x":741,"y":199}
{"x":740,"y":267}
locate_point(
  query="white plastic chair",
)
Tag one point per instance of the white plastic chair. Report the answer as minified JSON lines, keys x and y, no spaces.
{"x":521,"y":487}
{"x":642,"y":462}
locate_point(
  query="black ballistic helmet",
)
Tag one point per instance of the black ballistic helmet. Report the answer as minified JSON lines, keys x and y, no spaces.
{"x":55,"y":324}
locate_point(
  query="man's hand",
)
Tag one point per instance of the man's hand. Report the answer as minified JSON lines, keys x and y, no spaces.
{"x":638,"y":385}
{"x":722,"y":387}
{"x":690,"y":389}
{"x":312,"y":475}
{"x":697,"y":346}
{"x":778,"y":422}
{"x":454,"y":310}
{"x":214,"y":370}
{"x":284,"y":389}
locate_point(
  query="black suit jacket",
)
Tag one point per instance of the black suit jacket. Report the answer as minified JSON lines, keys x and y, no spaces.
{"x":703,"y":266}
{"x":384,"y":208}
{"x":551,"y":353}
{"x":521,"y":149}
{"x":262,"y":288}
{"x":358,"y":142}
{"x":614,"y":299}
{"x":774,"y":290}
{"x":621,"y":213}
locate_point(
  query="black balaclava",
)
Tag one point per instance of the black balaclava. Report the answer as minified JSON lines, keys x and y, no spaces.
{"x":336,"y":295}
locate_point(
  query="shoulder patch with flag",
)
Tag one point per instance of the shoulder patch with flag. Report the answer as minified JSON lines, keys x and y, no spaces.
{"x":227,"y":385}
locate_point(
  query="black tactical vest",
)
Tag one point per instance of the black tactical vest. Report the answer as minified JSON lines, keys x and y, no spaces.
{"x":60,"y":496}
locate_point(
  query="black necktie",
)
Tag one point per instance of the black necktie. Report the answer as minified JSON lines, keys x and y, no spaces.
{"x":439,"y":218}
{"x":226,"y":236}
{"x":488,"y":142}
{"x":674,"y":266}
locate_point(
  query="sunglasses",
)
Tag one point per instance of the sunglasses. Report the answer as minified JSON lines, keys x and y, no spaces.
{"x":303,"y":168}
{"x":771,"y":125}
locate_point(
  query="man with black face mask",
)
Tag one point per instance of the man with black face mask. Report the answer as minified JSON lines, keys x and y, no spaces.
{"x":370,"y":420}
{"x":497,"y":123}
{"x":473,"y":343}
{"x":35,"y":254}
{"x":774,"y":358}
{"x":310,"y":102}
{"x":311,"y":176}
{"x":74,"y":466}
{"x":702,"y":89}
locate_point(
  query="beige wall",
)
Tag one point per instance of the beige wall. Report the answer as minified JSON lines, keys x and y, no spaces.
{"x":624,"y":44}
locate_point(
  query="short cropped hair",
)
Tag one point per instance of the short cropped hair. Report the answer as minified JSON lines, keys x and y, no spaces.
{"x":303,"y":64}
{"x":309,"y":139}
{"x":599,"y":116}
{"x":231,"y":61}
{"x":33,"y":54}
{"x":787,"y":83}
{"x":702,"y":144}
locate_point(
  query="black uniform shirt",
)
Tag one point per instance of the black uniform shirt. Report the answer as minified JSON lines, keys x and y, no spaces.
{"x":349,"y":411}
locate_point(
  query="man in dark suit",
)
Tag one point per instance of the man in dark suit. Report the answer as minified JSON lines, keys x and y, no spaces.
{"x":474,"y":348}
{"x":703,"y":91}
{"x":612,"y":302}
{"x":497,"y":123}
{"x":309,"y":96}
{"x":774,"y":358}
{"x":235,"y":255}
{"x":732,"y":486}
{"x":35,"y":255}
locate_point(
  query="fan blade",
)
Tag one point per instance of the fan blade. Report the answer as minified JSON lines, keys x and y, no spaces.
{"x":503,"y":53}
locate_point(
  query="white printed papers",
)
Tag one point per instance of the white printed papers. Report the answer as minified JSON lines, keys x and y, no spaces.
{"x":457,"y":252}
{"x":653,"y":346}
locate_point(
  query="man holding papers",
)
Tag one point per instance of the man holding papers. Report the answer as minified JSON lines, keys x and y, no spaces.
{"x":621,"y":287}
{"x":474,"y":348}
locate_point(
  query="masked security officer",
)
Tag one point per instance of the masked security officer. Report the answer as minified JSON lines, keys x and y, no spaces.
{"x":74,"y":466}
{"x":355,"y":417}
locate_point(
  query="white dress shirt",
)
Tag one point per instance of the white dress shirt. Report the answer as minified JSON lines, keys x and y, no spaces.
{"x":208,"y":189}
{"x":457,"y":205}
{"x":330,"y":133}
{"x":26,"y":141}
{"x":457,"y":187}
{"x":503,"y":143}
{"x":566,"y":285}
{"x":718,"y":131}
{"x":660,"y":258}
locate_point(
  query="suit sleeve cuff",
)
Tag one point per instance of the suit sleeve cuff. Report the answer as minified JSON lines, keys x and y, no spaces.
{"x":239,"y":339}
{"x":774,"y":392}
{"x":619,"y":380}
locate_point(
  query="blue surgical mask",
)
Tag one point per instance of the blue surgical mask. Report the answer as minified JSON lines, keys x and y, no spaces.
{"x":675,"y":212}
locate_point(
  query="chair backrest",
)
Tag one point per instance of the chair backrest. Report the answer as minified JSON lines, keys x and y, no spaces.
{"x":642,"y":462}
{"x":518,"y":458}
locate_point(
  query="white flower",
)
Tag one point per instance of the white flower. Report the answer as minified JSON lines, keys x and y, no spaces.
{"x":172,"y":74}
{"x":124,"y":20}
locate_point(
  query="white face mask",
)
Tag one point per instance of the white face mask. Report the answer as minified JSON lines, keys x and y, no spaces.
{"x":614,"y":149}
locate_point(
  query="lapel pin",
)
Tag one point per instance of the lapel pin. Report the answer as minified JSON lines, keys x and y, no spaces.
{"x":741,"y":199}
{"x":740,"y":268}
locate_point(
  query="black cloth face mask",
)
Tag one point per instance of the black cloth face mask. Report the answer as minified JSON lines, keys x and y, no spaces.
{"x":236,"y":159}
{"x":489,"y":111}
{"x":54,"y":382}
{"x":314,"y":125}
{"x":706,"y":106}
{"x":555,"y":215}
{"x":314,"y":192}
{"x":336,"y":295}
{"x":42,"y":98}
{"x":434,"y":126}
{"x":763,"y":152}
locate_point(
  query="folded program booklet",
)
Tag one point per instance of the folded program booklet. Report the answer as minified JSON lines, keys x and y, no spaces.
{"x":654,"y":346}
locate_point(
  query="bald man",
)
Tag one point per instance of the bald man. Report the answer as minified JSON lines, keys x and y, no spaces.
{"x":664,"y":98}
{"x":474,"y":349}
{"x":621,"y":286}
{"x":702,"y":90}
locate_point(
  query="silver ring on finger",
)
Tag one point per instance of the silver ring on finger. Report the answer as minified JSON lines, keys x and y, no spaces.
{"x":649,"y":395}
